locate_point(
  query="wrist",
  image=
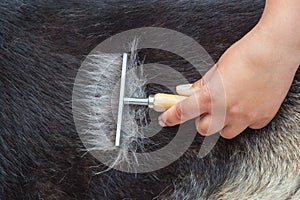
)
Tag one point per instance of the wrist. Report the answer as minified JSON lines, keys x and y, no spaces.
{"x":280,"y":24}
{"x":262,"y":50}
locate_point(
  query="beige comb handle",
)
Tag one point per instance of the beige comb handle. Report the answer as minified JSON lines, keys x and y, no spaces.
{"x":163,"y":102}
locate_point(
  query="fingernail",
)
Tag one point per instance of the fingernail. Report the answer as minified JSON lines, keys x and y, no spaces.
{"x":184,"y":89}
{"x":161,"y":122}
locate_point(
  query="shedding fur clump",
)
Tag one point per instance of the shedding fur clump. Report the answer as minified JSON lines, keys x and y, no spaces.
{"x":95,"y":105}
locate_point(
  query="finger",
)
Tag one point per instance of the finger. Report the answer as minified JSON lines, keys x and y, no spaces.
{"x":203,"y":123}
{"x":208,"y":125}
{"x":205,"y":79}
{"x":184,"y":90}
{"x":189,"y":89}
{"x":187,"y":109}
{"x":198,"y":84}
{"x":231,"y":131}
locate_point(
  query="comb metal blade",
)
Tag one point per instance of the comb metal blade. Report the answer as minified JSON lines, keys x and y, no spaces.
{"x":121,"y":99}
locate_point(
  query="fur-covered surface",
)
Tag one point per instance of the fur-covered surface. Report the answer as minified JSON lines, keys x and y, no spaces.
{"x":42,"y":45}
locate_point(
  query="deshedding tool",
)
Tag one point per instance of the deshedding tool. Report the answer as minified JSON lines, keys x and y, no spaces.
{"x":160,"y":102}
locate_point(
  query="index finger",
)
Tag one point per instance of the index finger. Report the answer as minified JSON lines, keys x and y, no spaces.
{"x":193,"y":106}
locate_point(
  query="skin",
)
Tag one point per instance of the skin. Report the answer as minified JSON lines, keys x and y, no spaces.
{"x":255,"y":73}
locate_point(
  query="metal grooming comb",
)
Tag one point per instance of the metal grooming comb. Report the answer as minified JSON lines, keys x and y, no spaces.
{"x":160,"y":102}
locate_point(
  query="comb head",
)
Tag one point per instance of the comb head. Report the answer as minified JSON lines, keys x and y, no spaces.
{"x":121,"y":99}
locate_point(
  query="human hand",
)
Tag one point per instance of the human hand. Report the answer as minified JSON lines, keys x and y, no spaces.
{"x":256,"y":74}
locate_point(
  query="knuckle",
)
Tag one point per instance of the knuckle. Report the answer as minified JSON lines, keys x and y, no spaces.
{"x":249,"y":115}
{"x":178,"y":112}
{"x":233,"y":111}
{"x":198,"y":84}
{"x":204,"y":97}
{"x":174,"y":116}
{"x":207,"y":100}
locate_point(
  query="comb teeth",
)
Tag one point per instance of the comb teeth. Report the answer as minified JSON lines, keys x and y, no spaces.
{"x":121,"y":98}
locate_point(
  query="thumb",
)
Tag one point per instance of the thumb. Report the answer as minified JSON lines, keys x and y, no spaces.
{"x":184,"y":90}
{"x":189,"y":89}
